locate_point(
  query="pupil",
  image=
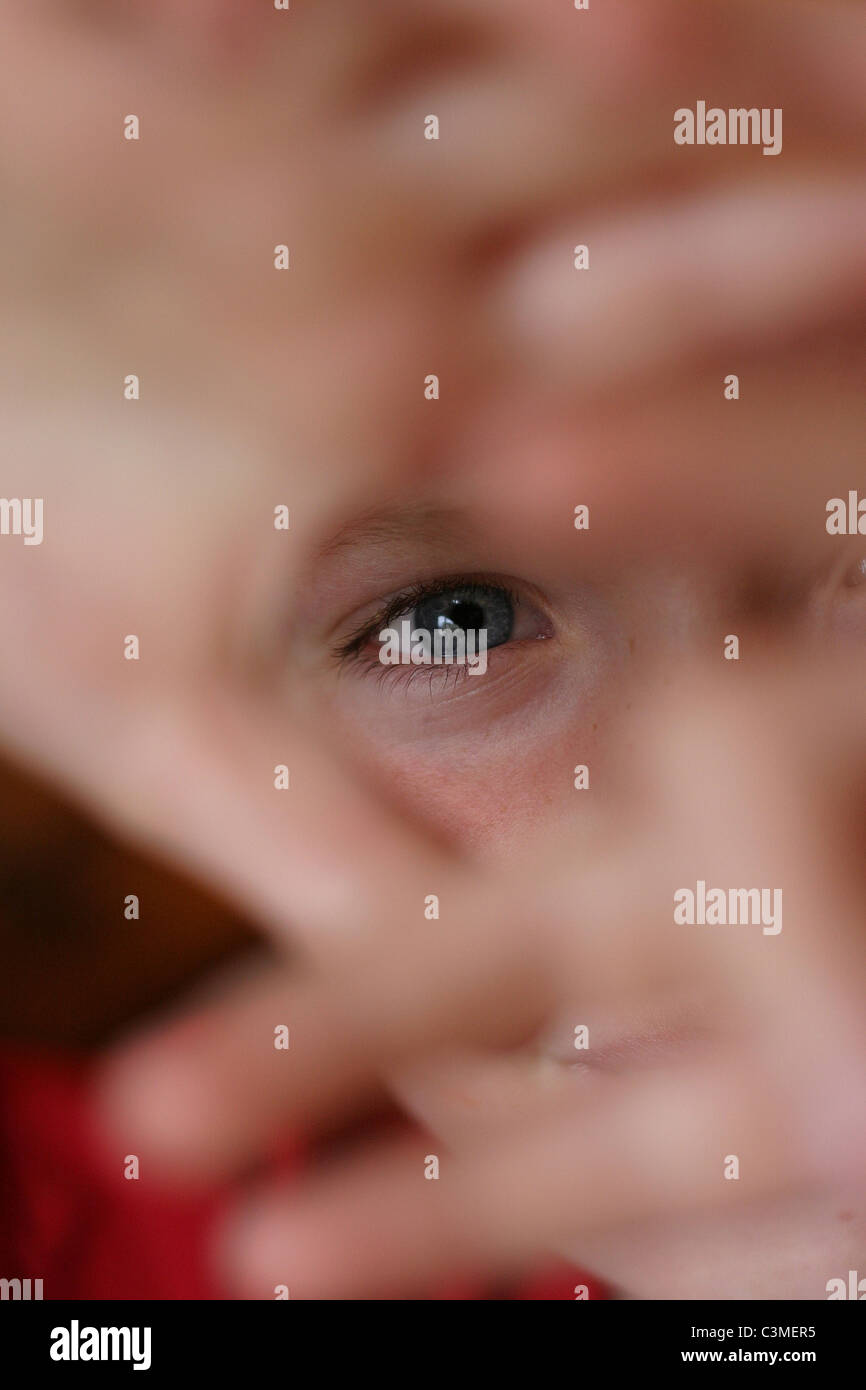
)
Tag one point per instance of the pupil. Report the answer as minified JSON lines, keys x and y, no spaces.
{"x":474,"y":610}
{"x":469,"y":616}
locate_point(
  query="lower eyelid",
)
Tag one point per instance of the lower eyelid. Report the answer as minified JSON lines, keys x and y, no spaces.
{"x":408,"y":703}
{"x":447,"y":678}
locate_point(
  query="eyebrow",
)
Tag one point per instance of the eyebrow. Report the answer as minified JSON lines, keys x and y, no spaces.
{"x":383,"y":525}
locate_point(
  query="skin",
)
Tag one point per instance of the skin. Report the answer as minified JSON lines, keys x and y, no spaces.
{"x":238,"y":622}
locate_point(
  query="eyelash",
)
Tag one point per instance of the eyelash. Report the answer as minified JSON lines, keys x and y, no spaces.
{"x":408,"y":599}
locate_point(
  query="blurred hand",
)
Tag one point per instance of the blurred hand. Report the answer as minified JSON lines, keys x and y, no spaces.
{"x":767,"y":1064}
{"x":306,"y":390}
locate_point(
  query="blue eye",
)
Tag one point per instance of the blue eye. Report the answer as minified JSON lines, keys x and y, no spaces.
{"x":472,"y":607}
{"x":490,"y":612}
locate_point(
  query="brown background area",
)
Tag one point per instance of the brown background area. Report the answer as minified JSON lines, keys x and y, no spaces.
{"x":72,"y":968}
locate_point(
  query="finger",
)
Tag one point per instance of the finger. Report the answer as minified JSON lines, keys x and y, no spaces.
{"x":658,"y":1146}
{"x":713,"y":271}
{"x":208,"y":1092}
{"x":533,"y":127}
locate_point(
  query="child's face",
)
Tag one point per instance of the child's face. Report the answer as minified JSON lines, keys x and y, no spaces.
{"x":483,"y":759}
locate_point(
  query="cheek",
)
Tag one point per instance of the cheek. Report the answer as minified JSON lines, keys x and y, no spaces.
{"x":482,"y":776}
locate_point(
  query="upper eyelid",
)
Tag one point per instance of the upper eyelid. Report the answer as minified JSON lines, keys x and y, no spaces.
{"x":353,"y":643}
